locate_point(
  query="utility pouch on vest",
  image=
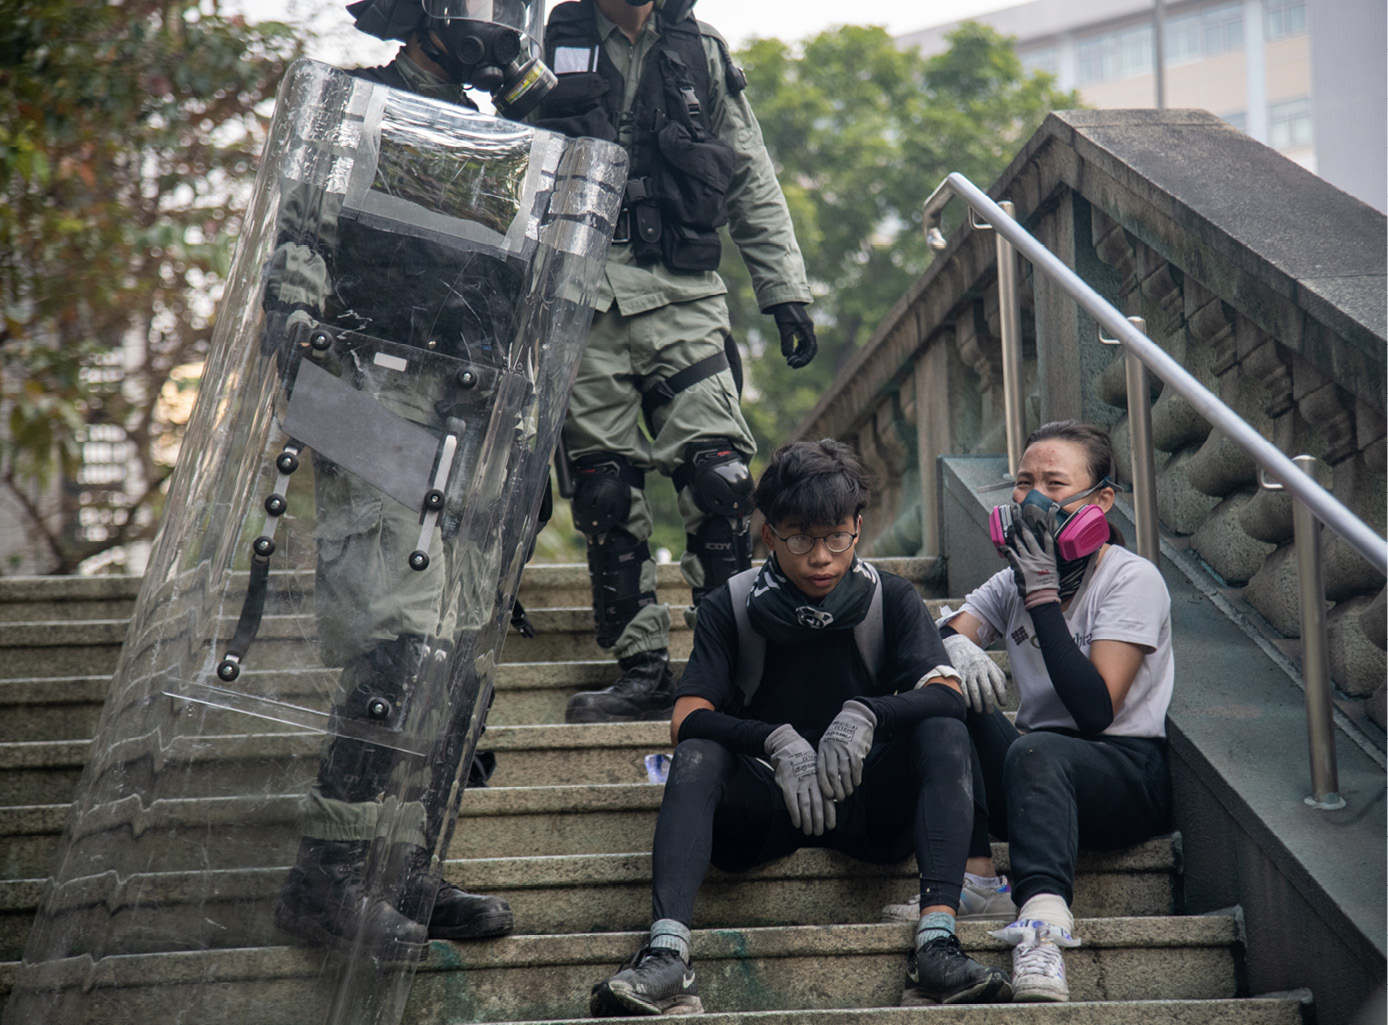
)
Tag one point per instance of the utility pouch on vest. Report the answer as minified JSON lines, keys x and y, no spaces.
{"x":687,"y":249}
{"x":574,"y":107}
{"x":694,"y":176}
{"x":647,"y":224}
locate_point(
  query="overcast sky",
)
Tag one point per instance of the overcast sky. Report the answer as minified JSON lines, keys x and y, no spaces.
{"x":738,"y":20}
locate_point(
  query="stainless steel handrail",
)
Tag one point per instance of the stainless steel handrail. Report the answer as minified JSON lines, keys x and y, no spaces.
{"x":1313,"y":502}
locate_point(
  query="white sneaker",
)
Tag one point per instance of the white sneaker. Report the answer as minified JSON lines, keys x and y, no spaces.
{"x":1038,"y":969}
{"x":908,"y":912}
{"x":974,"y":902}
{"x":992,"y":900}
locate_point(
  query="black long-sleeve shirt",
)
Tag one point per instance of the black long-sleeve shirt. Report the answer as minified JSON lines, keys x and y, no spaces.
{"x":805,"y":683}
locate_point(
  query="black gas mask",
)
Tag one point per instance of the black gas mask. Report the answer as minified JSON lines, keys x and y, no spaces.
{"x":492,"y":45}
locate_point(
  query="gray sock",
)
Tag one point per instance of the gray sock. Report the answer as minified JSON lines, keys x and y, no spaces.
{"x":668,"y":934}
{"x":933,"y":926}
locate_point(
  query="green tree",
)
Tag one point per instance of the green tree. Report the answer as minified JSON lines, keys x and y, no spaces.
{"x":861,"y":132}
{"x":128,"y":133}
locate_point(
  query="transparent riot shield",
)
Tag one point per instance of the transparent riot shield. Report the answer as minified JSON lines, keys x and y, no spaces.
{"x":261,"y":829}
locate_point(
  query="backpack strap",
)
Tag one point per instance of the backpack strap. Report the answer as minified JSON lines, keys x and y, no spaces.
{"x":751,"y":646}
{"x":870,"y":634}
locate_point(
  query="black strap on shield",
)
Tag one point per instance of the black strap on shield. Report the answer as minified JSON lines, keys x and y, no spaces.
{"x":253,"y":608}
{"x":348,"y":427}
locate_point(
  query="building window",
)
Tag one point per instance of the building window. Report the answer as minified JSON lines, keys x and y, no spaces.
{"x":1289,"y":125}
{"x":1282,"y":18}
{"x":1113,"y":55}
{"x":1205,"y":33}
{"x":1045,"y":59}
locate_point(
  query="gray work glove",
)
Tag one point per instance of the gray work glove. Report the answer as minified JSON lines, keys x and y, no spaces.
{"x":793,"y":759}
{"x":1032,"y":559}
{"x":842,"y":749}
{"x":985,"y":685}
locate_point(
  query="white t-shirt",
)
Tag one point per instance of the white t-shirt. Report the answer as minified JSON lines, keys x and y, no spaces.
{"x":1124,"y":599}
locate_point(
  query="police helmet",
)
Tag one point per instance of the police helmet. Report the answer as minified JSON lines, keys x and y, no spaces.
{"x":493,"y":45}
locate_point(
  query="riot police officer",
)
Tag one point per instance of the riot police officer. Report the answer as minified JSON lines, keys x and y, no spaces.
{"x":383,"y":613}
{"x":660,"y":356}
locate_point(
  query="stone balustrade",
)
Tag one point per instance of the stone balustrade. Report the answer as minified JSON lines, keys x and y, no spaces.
{"x":1264,"y":281}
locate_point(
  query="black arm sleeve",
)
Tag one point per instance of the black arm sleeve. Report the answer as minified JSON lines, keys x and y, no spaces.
{"x":1077,"y":683}
{"x":897,"y":710}
{"x":744,"y":736}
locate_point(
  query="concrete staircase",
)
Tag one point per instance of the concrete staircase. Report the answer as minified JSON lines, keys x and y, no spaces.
{"x":563,"y":832}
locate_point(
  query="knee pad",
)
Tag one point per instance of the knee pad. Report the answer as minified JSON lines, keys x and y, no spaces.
{"x":614,"y":565}
{"x":718,"y":478}
{"x":602,"y":491}
{"x":723,"y":547}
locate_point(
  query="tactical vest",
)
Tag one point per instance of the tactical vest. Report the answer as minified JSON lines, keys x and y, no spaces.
{"x":676,"y":194}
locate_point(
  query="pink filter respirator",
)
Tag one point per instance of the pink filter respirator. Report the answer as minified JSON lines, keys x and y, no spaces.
{"x":1081,"y":533}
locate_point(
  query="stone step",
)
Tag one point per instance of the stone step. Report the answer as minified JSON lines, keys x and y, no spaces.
{"x":1256,"y":1011}
{"x":68,"y":597}
{"x":744,"y":969}
{"x":605,"y":892}
{"x":749,"y":969}
{"x":568,"y":894}
{"x":68,"y":707}
{"x":497,"y":821}
{"x":46,"y":772}
{"x":38,"y":709}
{"x":90,"y":648}
{"x":61,"y":646}
{"x":74,"y":598}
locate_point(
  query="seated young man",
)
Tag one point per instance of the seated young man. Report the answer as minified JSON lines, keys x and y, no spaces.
{"x":818,"y":710}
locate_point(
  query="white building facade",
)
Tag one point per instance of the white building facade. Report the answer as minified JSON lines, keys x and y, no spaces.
{"x":1306,"y":77}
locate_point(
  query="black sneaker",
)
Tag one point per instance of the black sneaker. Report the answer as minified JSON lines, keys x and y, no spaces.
{"x":655,"y":981}
{"x":940,"y":972}
{"x":459,"y":915}
{"x":644,"y":691}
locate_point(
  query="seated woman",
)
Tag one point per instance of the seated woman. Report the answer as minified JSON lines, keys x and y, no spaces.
{"x":1087,"y":626}
{"x":818,"y":709}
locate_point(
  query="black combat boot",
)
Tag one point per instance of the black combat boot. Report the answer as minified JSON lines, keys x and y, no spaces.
{"x":459,"y":915}
{"x":324,"y":903}
{"x":456,"y":914}
{"x":645,"y":690}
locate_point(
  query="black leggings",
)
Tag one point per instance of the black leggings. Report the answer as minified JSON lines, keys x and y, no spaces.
{"x":726,"y":809}
{"x":1049,"y":794}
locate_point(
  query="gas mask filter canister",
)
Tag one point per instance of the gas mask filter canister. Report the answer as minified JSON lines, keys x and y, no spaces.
{"x":1077,"y":534}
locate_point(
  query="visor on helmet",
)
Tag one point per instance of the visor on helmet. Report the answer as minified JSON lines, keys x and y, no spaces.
{"x":525,"y":16}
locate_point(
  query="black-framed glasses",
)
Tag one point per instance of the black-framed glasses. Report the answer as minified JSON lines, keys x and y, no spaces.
{"x":837,"y":542}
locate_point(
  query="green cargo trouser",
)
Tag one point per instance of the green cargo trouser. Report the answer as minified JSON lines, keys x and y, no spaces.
{"x":365,"y":591}
{"x":605,"y":416}
{"x":366,"y":595}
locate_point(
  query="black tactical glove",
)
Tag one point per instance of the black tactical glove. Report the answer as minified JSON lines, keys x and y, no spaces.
{"x":285,"y":330}
{"x":798,"y":343}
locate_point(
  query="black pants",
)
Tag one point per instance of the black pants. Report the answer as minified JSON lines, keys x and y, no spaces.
{"x":726,"y":809}
{"x":1049,"y":794}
